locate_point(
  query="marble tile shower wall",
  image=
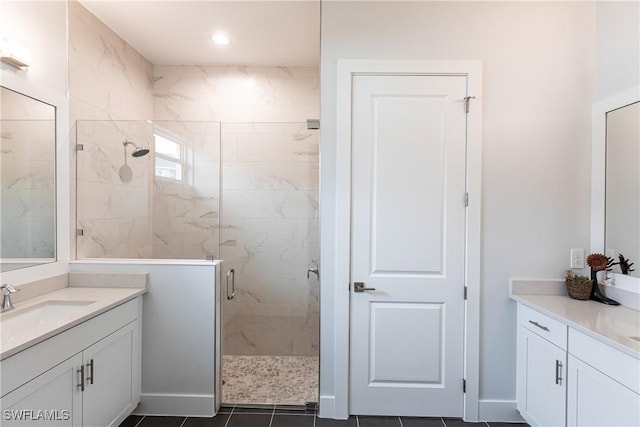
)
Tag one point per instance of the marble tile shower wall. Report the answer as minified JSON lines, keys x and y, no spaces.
{"x":186,"y":211}
{"x":110,"y":81}
{"x":269,"y":211}
{"x":113,"y":190}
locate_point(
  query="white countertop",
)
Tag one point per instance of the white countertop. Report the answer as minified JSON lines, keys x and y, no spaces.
{"x":613,"y":325}
{"x":84,"y":303}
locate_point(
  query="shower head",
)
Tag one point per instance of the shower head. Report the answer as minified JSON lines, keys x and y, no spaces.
{"x":138,"y":151}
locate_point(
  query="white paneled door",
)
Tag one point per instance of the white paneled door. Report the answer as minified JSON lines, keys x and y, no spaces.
{"x":408,"y":244}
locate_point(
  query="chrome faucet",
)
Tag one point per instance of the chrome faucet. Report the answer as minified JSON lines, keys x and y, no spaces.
{"x":7,"y":290}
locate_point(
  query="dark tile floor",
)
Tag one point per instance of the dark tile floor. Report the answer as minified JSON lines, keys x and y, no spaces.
{"x":277,"y":416}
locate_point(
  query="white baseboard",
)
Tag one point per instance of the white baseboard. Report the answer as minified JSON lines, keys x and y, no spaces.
{"x":499,"y":411}
{"x":327,"y":407}
{"x":186,"y":405}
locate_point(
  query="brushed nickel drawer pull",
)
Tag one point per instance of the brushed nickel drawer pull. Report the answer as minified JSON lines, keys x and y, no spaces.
{"x":544,"y":328}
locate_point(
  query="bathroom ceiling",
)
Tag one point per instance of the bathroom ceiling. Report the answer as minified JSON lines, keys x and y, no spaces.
{"x":262,"y":32}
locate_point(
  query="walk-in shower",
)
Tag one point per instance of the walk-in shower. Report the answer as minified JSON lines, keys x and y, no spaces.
{"x":245,"y":193}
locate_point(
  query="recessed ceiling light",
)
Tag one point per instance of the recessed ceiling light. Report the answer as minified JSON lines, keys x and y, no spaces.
{"x":221,"y":39}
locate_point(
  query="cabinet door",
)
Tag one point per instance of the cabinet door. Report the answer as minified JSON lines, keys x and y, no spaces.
{"x":109,"y":394}
{"x":52,"y":399}
{"x":595,"y":399}
{"x":541,"y":384}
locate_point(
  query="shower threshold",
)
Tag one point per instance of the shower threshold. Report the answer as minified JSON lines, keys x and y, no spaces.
{"x":270,"y":380}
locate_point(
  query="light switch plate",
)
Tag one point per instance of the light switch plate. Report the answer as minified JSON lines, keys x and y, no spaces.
{"x":577,"y":258}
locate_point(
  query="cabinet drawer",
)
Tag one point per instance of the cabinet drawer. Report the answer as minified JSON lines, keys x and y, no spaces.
{"x":611,"y":362}
{"x":543,"y":325}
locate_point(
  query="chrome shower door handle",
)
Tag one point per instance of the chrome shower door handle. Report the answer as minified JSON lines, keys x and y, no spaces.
{"x":231,"y":293}
{"x":314,"y":271}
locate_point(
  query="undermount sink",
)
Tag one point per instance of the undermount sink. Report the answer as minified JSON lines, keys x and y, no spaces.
{"x":32,"y":319}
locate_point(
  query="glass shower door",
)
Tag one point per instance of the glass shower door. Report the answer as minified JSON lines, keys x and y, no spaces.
{"x":269,"y":237}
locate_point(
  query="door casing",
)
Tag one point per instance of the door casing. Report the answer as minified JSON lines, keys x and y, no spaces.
{"x":345,"y":72}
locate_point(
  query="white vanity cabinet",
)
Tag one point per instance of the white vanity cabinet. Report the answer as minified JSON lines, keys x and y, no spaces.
{"x":53,"y":392}
{"x":109,"y":368}
{"x":541,"y":361}
{"x":603,"y":384}
{"x":566,"y":377}
{"x":87,"y":376}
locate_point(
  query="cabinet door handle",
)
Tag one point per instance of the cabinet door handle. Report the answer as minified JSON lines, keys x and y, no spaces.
{"x":90,"y":369}
{"x":558,"y":372}
{"x":81,"y":375}
{"x":544,"y":328}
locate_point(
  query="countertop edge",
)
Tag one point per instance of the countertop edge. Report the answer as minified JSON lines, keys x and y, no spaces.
{"x":590,"y":332}
{"x":75,"y":322}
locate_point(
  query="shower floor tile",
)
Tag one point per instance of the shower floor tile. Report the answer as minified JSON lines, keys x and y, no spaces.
{"x":278,"y":380}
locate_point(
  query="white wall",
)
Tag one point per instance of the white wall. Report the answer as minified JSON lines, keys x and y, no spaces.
{"x":618,"y":47}
{"x":538,"y":88}
{"x":40,"y":26}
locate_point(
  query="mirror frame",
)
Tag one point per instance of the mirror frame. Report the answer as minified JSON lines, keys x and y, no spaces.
{"x":20,"y":83}
{"x":598,"y":176}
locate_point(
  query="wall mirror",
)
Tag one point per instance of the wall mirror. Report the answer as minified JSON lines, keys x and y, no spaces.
{"x":615,"y":183}
{"x":622,"y":186}
{"x":28,"y":181}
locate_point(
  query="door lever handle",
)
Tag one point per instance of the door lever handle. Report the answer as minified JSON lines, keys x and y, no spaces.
{"x":359,"y":287}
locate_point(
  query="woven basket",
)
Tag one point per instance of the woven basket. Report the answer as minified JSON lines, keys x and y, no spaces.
{"x":579,"y":290}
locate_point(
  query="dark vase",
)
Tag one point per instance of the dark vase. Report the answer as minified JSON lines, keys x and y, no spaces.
{"x":596,"y":293}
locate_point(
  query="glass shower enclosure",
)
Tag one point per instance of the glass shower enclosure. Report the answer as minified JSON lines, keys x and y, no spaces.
{"x":245,"y":193}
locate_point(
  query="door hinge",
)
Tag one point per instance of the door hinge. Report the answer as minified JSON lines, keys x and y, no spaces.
{"x":464,"y":385}
{"x":79,"y":232}
{"x":467,"y":99}
{"x":79,"y":147}
{"x":465,"y":292}
{"x":466,"y":200}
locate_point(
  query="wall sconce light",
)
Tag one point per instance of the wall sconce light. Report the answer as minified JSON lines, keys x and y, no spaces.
{"x":14,"y":54}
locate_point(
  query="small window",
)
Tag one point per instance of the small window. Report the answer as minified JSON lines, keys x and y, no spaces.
{"x":168,"y":169}
{"x":167,"y":147}
{"x":169,"y":158}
